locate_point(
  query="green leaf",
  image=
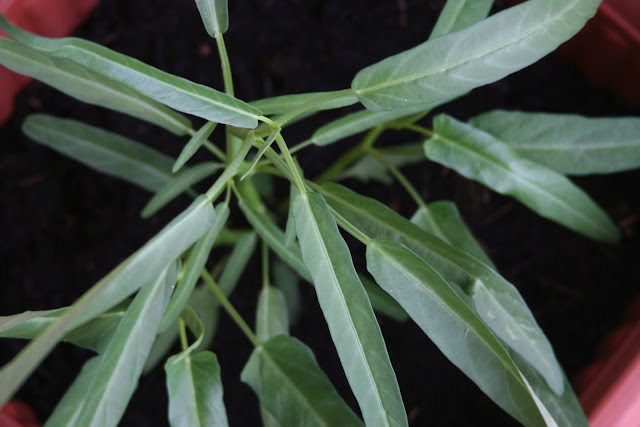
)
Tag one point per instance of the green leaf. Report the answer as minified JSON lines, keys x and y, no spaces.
{"x":94,"y":335}
{"x":457,"y":331}
{"x":275,"y":238}
{"x":175,"y":92}
{"x":101,"y":150}
{"x":346,"y":308}
{"x":443,"y":219}
{"x":118,"y":369}
{"x":126,"y":278}
{"x":568,"y":143}
{"x":445,"y":67}
{"x":460,"y":14}
{"x":196,"y":262}
{"x":368,"y":168}
{"x":496,"y":301}
{"x":180,"y":183}
{"x":195,"y":391}
{"x":88,"y":86}
{"x":235,"y":266}
{"x":284,"y":103}
{"x":286,"y":279}
{"x":285,"y":375}
{"x":479,"y":156}
{"x":215,"y":16}
{"x":382,"y":302}
{"x":272,"y":317}
{"x":193,"y":145}
{"x":357,"y":122}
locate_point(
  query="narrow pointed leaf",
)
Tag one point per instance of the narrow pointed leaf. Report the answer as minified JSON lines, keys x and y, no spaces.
{"x":104,"y":151}
{"x":457,"y":331}
{"x":290,"y":227}
{"x":88,"y":86}
{"x":195,"y":391}
{"x":94,"y":335}
{"x":125,"y":279}
{"x":347,"y":310}
{"x":118,"y":369}
{"x":284,"y":103}
{"x":275,"y":238}
{"x":215,"y":16}
{"x":272,"y":317}
{"x":382,"y":302}
{"x":240,"y":255}
{"x":445,"y":67}
{"x":193,"y":145}
{"x":568,"y":143}
{"x":368,"y":168}
{"x":196,"y":262}
{"x":285,"y":375}
{"x":286,"y":279}
{"x":477,"y":155}
{"x":180,"y":183}
{"x":357,"y":122}
{"x":175,"y":92}
{"x":460,"y":14}
{"x":444,"y":220}
{"x":495,"y":300}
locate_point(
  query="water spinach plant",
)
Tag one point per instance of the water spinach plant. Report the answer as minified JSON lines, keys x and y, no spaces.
{"x":427,"y":269}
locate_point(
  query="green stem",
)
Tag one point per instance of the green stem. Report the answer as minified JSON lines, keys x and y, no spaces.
{"x":233,"y":313}
{"x":297,"y":179}
{"x":231,"y":169}
{"x":399,"y":176}
{"x":300,"y":146}
{"x":183,"y":334}
{"x":350,"y":156}
{"x":421,"y":130}
{"x":265,"y":265}
{"x":225,"y":64}
{"x":309,"y":105}
{"x":403,"y":149}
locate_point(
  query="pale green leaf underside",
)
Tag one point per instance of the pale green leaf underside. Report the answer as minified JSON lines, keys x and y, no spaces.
{"x":116,"y":375}
{"x":272,"y":316}
{"x":567,"y":143}
{"x":286,"y":279}
{"x":215,"y":16}
{"x":284,"y":374}
{"x":175,"y":92}
{"x":358,"y":122}
{"x":448,"y":66}
{"x":180,"y":182}
{"x":104,"y":151}
{"x":237,"y":262}
{"x":382,"y":302}
{"x":88,"y":86}
{"x":195,"y":391}
{"x":348,"y":313}
{"x":477,"y":155}
{"x":444,"y":220}
{"x":495,"y":300}
{"x":125,"y":279}
{"x":193,"y":145}
{"x":457,"y":331}
{"x":282,"y":104}
{"x":460,"y":14}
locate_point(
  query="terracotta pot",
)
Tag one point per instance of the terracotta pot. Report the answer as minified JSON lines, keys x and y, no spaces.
{"x":51,"y":18}
{"x":18,"y":414}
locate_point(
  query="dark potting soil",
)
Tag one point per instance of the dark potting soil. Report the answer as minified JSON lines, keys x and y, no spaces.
{"x":64,"y":226}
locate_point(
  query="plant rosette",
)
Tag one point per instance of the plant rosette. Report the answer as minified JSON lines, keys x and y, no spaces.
{"x":52,"y":18}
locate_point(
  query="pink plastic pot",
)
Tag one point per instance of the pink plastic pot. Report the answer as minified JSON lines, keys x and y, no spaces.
{"x":51,"y":18}
{"x":18,"y":414}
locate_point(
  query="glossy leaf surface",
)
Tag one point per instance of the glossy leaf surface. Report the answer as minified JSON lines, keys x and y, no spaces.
{"x":285,"y":375}
{"x":444,"y":220}
{"x":567,"y":143}
{"x":347,"y":310}
{"x":457,"y":331}
{"x":445,"y":67}
{"x":175,"y":92}
{"x":477,"y":155}
{"x":193,"y":145}
{"x":215,"y":16}
{"x":460,"y":14}
{"x":125,"y":279}
{"x":104,"y":151}
{"x":495,"y":300}
{"x":88,"y":86}
{"x":180,"y":183}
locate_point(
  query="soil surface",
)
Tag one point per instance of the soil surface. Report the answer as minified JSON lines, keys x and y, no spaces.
{"x":64,"y":226}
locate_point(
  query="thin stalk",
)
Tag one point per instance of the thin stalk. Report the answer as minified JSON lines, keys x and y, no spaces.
{"x":225,"y":64}
{"x":403,"y":149}
{"x":300,"y":146}
{"x":399,"y":176}
{"x":297,"y":179}
{"x":309,"y":105}
{"x":350,"y":156}
{"x":233,"y":313}
{"x":183,"y":334}
{"x":231,"y":169}
{"x":421,"y":130}
{"x":265,"y":265}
